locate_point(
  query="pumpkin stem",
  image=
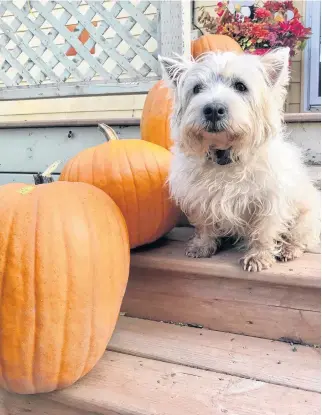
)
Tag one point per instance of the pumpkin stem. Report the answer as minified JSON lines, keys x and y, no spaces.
{"x":108,"y":131}
{"x":46,"y":177}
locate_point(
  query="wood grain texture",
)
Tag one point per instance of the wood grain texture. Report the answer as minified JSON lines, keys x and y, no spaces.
{"x":13,"y":404}
{"x":227,"y":316}
{"x":244,"y":356}
{"x":159,"y":369}
{"x":216,"y":293}
{"x":123,"y":385}
{"x":169,"y":255}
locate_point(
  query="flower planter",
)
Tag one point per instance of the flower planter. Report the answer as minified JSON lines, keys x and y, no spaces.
{"x":272,"y":23}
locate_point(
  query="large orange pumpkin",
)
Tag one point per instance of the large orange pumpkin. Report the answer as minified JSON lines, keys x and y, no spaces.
{"x":212,"y":43}
{"x":155,"y":125}
{"x":134,"y":173}
{"x":64,"y":265}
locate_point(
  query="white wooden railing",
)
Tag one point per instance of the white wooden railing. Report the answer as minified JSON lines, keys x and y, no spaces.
{"x":78,"y":48}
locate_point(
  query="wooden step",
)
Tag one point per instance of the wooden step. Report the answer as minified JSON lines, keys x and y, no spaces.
{"x":280,"y":303}
{"x":155,"y":368}
{"x":231,"y":354}
{"x":31,"y":145}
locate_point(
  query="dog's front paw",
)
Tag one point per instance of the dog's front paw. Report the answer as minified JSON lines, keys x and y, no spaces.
{"x":257,"y":262}
{"x":195,"y":251}
{"x":289,"y":252}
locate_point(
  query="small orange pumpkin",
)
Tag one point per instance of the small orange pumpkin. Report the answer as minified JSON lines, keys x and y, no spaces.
{"x":133,"y":173}
{"x":64,"y":266}
{"x":155,"y":124}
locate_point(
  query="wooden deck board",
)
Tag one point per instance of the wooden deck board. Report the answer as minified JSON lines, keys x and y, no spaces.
{"x":129,"y":385}
{"x":169,"y":255}
{"x":13,"y":404}
{"x":233,"y":317}
{"x":160,"y":369}
{"x":243,"y":356}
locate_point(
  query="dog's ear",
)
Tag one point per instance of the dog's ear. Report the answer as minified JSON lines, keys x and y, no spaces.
{"x":172,"y":70}
{"x":276,"y":65}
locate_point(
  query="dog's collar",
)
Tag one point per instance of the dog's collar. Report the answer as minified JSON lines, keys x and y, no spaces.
{"x":221,"y":157}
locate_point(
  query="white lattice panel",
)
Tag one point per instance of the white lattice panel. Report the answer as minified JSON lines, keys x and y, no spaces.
{"x":66,"y":48}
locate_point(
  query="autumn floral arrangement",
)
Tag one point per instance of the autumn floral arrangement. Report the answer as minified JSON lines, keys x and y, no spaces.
{"x":260,"y":26}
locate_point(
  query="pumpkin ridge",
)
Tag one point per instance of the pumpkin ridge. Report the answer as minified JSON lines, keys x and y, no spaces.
{"x":62,"y":232}
{"x":63,"y":350}
{"x":122,"y":183}
{"x":78,"y":169}
{"x":71,"y":165}
{"x":162,"y":199}
{"x":168,"y":135}
{"x":124,"y":192}
{"x":9,"y":236}
{"x":150,"y":178}
{"x":93,"y":275}
{"x":35,"y":291}
{"x":24,"y":295}
{"x":67,"y":174}
{"x":93,"y":158}
{"x":166,"y":125}
{"x":67,"y":167}
{"x":136,"y":196}
{"x":125,"y":242}
{"x":105,"y":167}
{"x":207,"y":41}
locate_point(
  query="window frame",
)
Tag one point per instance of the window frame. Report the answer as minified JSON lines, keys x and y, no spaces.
{"x":312,"y":56}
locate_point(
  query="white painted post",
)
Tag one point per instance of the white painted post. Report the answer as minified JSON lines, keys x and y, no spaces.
{"x":175,"y":27}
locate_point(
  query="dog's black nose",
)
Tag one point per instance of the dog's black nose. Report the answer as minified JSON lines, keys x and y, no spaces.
{"x":214,"y":112}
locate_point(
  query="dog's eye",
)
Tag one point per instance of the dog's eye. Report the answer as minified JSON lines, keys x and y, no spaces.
{"x":197,"y":89}
{"x":239,"y":86}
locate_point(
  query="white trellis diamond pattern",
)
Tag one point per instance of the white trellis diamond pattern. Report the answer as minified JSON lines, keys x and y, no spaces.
{"x":61,"y":48}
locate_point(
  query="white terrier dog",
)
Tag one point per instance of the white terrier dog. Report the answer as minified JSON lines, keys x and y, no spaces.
{"x":233,"y":172}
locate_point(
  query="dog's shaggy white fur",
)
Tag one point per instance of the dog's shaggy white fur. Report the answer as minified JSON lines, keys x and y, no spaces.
{"x":262,"y":194}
